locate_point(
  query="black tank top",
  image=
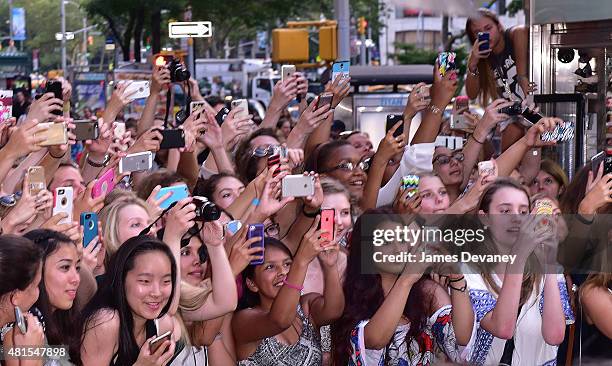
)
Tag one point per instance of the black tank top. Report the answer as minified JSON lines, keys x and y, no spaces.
{"x":505,"y":71}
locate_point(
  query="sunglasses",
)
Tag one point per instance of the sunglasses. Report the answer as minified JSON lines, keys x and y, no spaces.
{"x":10,"y":200}
{"x":272,"y":230}
{"x":445,"y":159}
{"x":263,"y":151}
{"x":348,"y":166}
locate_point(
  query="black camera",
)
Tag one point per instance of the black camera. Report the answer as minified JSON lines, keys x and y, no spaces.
{"x":513,"y":110}
{"x":205,"y":209}
{"x":178,"y":71}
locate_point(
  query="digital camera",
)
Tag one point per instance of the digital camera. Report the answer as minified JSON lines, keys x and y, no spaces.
{"x":178,"y":71}
{"x":205,"y":209}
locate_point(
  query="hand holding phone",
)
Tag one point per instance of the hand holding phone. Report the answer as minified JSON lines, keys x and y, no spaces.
{"x":89,"y":222}
{"x":392,"y":120}
{"x":327,"y":224}
{"x":483,"y":37}
{"x":158,"y":341}
{"x":63,"y":201}
{"x":256,"y":230}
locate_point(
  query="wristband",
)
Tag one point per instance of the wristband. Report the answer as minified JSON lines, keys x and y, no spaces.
{"x":295,"y":287}
{"x":103,"y":164}
{"x":58,"y":157}
{"x":474,"y":138}
{"x":255,"y":202}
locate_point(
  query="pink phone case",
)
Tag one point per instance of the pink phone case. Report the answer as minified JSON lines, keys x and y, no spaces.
{"x":104,"y":184}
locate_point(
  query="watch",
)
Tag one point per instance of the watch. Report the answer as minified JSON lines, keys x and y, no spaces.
{"x":104,"y":163}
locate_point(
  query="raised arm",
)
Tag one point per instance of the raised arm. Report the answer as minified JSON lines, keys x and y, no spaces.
{"x":329,"y":307}
{"x":553,"y":318}
{"x":596,"y":301}
{"x":309,"y":121}
{"x":472,"y":80}
{"x":282,"y":94}
{"x":520,"y":43}
{"x":159,"y":80}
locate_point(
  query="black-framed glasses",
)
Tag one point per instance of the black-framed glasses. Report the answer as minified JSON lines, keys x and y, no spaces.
{"x":445,"y":159}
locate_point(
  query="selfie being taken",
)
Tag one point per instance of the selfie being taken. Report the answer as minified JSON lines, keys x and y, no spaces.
{"x":289,"y":183}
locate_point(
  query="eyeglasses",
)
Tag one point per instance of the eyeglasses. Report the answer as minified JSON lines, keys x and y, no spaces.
{"x":349,"y":166}
{"x":272,"y":229}
{"x":10,"y":200}
{"x":445,"y":159}
{"x":346,"y":134}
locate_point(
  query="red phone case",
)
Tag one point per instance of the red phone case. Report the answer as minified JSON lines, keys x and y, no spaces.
{"x":327,"y":223}
{"x":274,"y":160}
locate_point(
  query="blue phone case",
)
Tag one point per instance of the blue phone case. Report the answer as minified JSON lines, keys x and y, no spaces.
{"x":483,"y":36}
{"x":179,"y":192}
{"x":89,"y":221}
{"x":253,"y":231}
{"x":340,"y":68}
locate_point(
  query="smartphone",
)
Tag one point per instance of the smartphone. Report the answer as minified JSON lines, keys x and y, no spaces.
{"x":297,"y":186}
{"x":179,"y":192}
{"x":241,"y":103}
{"x":6,"y":105}
{"x":561,"y":133}
{"x":423,"y":92}
{"x":450,"y":142}
{"x":596,"y":160}
{"x":274,"y":160}
{"x":392,"y":120}
{"x":140,"y":89}
{"x":543,"y":207}
{"x":119,"y":130}
{"x":136,"y":162}
{"x":256,"y":230}
{"x":20,"y":321}
{"x":327,"y":223}
{"x":86,"y":130}
{"x":233,"y":226}
{"x":287,"y":71}
{"x":56,"y":134}
{"x":172,"y":139}
{"x":446,"y":62}
{"x":62,"y":203}
{"x":512,"y":110}
{"x":36,"y":176}
{"x":89,"y":222}
{"x":340,"y":68}
{"x":324,"y":99}
{"x":196,"y":107}
{"x":411,"y":183}
{"x":608,"y":162}
{"x":156,"y":342}
{"x":55,"y":87}
{"x":104,"y":185}
{"x":486,"y":168}
{"x":220,"y":117}
{"x":483,"y":37}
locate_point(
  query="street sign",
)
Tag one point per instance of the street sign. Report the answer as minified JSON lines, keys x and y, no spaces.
{"x":189,"y":29}
{"x":69,"y":36}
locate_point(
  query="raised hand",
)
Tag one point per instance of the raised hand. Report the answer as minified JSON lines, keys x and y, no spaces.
{"x":312,"y":243}
{"x":241,"y":253}
{"x":311,"y":118}
{"x":416,"y":102}
{"x":534,"y":134}
{"x":25,"y":139}
{"x":42,"y":109}
{"x":340,"y":87}
{"x":390,"y":146}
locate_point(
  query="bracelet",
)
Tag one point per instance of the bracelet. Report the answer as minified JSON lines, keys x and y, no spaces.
{"x":255,"y":202}
{"x":103,"y":164}
{"x":474,"y":138}
{"x":435,"y":110}
{"x":58,"y":157}
{"x":460,"y":289}
{"x":457,"y":279}
{"x":295,"y":287}
{"x":474,"y":73}
{"x":583,"y":220}
{"x":311,"y":215}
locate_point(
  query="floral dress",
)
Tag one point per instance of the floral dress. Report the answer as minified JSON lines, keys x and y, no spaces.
{"x":435,"y":343}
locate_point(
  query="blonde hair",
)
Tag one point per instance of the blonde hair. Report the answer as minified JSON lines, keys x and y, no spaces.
{"x":109,"y":216}
{"x":192,"y":298}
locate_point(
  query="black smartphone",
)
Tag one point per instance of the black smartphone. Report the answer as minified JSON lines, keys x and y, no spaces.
{"x":484,"y":37}
{"x":220,"y":117}
{"x":392,"y":120}
{"x":324,"y":99}
{"x":596,"y":160}
{"x":513,"y":110}
{"x":86,"y":130}
{"x":608,"y":162}
{"x":172,"y":139}
{"x":531,"y":116}
{"x":55,"y":87}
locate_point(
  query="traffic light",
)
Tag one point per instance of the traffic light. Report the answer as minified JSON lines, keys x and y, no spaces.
{"x":362,"y":25}
{"x":328,"y":43}
{"x":289,"y":45}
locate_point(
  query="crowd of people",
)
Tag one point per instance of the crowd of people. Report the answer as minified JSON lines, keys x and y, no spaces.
{"x":159,"y":285}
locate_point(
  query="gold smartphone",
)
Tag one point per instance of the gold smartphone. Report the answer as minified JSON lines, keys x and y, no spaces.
{"x":56,"y":134}
{"x":36,"y":177}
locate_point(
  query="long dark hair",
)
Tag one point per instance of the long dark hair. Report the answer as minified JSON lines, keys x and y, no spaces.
{"x":364,"y":294}
{"x":249,"y":298}
{"x":62,"y":326}
{"x":246,"y":163}
{"x":207,"y":187}
{"x":111,"y":294}
{"x":20,"y":260}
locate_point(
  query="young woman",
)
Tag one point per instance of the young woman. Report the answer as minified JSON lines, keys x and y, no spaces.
{"x":122,"y":220}
{"x":284,"y":325}
{"x":340,"y":160}
{"x":222,"y":189}
{"x":596,"y":298}
{"x":283,"y":128}
{"x":58,"y":289}
{"x":392,"y":314}
{"x":520,"y":312}
{"x":551,"y":180}
{"x":21,"y":272}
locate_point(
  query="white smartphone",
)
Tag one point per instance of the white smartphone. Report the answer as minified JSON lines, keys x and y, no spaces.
{"x":62,"y":202}
{"x":138,"y":89}
{"x":450,"y":142}
{"x":287,"y":71}
{"x":136,"y":162}
{"x":241,"y":103}
{"x":297,"y":186}
{"x":119,"y":130}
